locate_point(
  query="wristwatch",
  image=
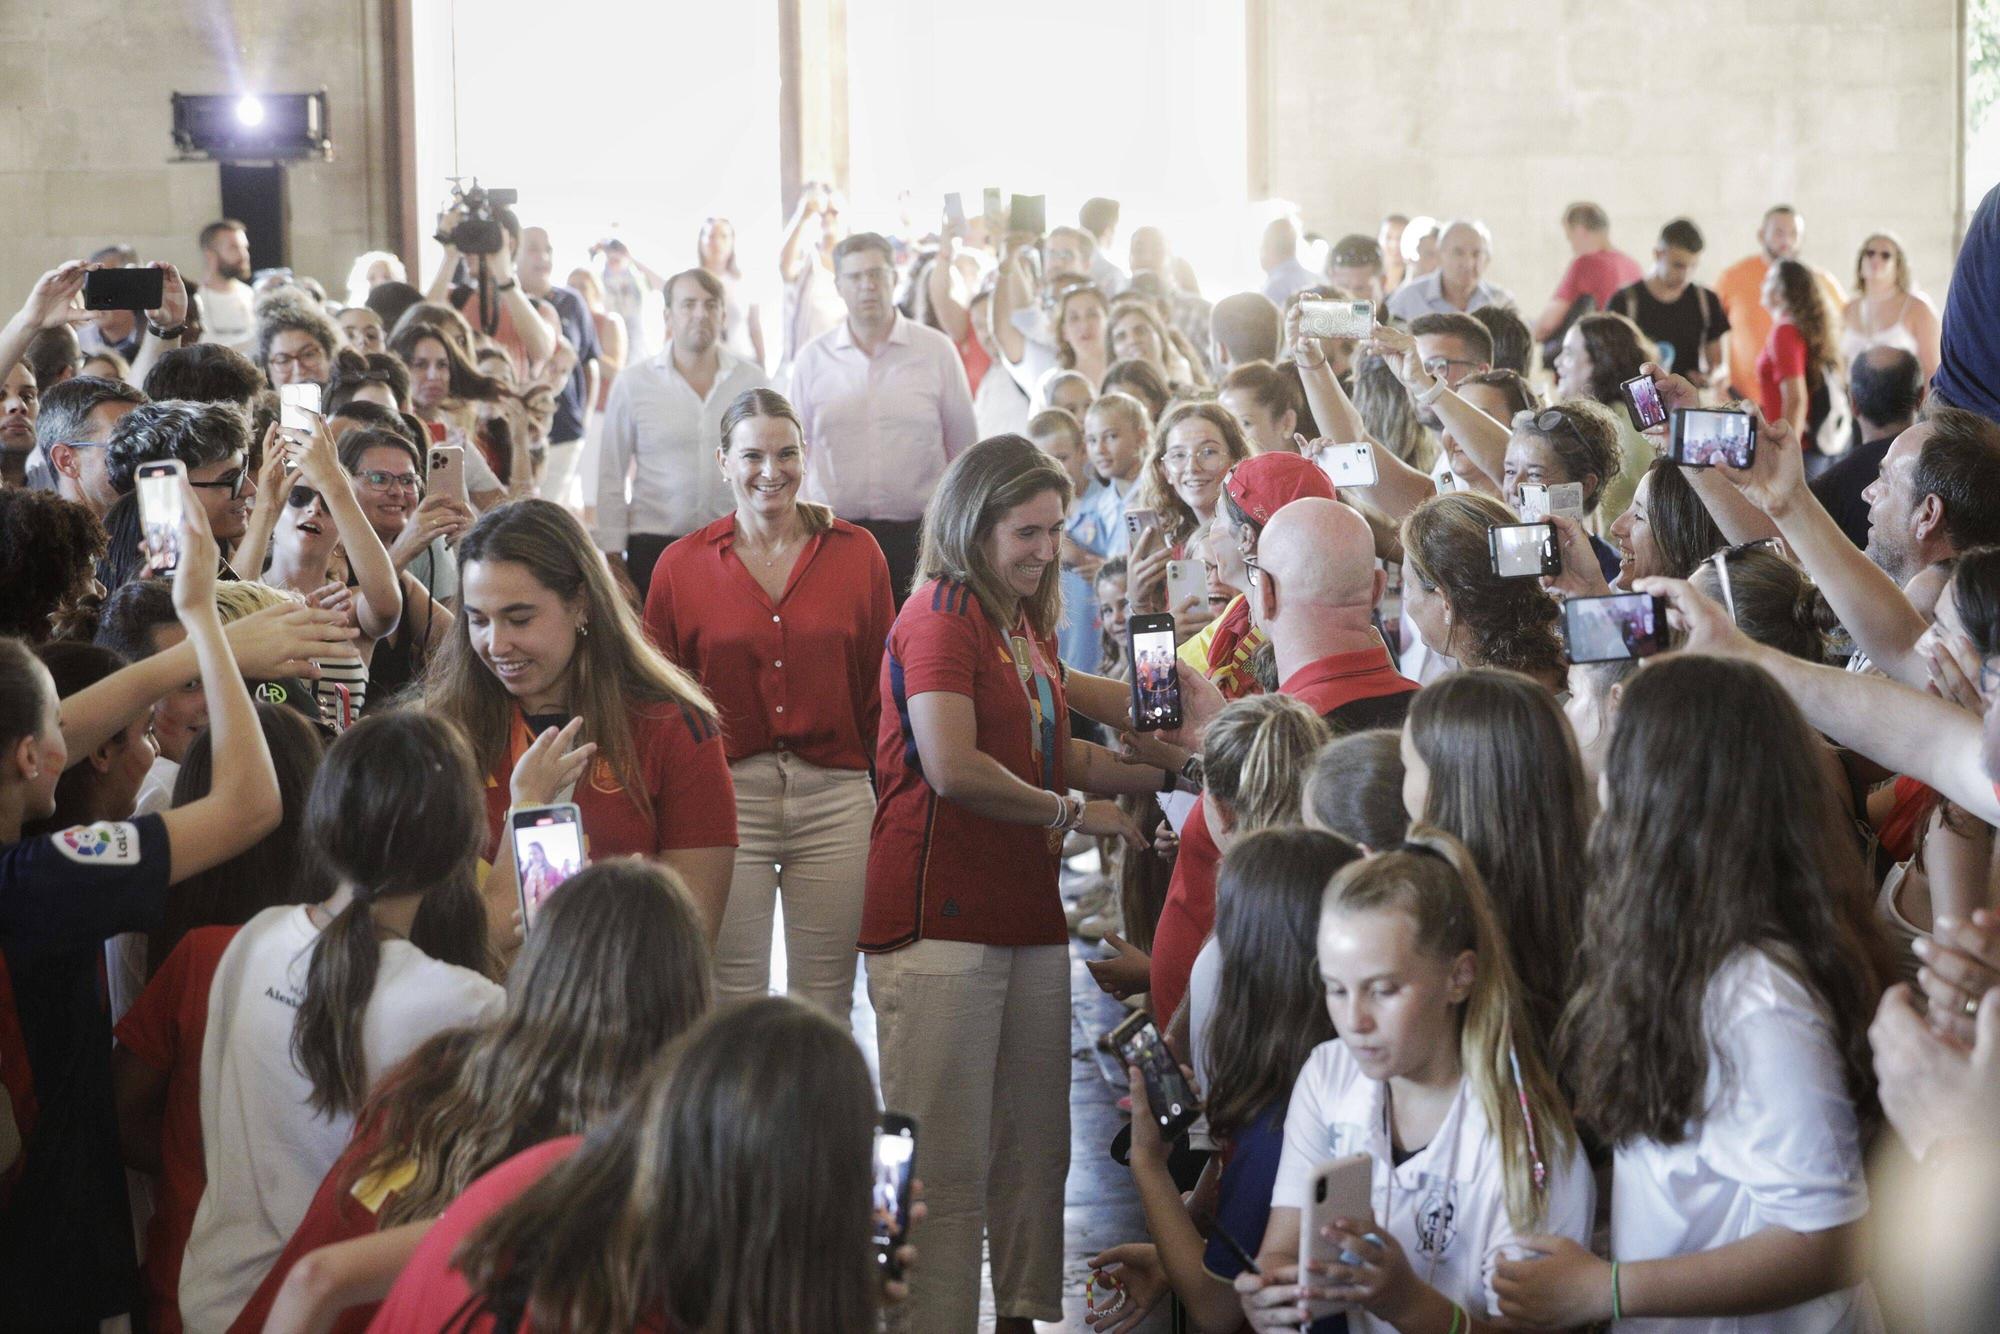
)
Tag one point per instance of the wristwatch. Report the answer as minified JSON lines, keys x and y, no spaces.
{"x":513,"y":283}
{"x":1432,"y":394}
{"x":1194,"y":773}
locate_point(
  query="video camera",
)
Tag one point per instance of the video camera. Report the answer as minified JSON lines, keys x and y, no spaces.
{"x":478,"y":231}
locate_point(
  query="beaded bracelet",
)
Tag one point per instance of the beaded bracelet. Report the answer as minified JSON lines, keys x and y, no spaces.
{"x":1617,"y":1303}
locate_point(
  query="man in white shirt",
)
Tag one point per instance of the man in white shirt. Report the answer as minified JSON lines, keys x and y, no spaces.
{"x":662,"y":426}
{"x":1284,"y":276}
{"x":1099,"y":217}
{"x":1464,"y":249}
{"x":885,"y":405}
{"x":227,"y":304}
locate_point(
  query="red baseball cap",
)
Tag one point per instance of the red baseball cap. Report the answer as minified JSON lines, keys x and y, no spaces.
{"x":1263,"y":484}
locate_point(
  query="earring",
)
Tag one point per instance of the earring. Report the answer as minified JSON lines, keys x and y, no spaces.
{"x":583,"y":629}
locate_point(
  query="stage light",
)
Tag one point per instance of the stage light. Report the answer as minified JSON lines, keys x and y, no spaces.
{"x":251,"y":127}
{"x":250,"y":111}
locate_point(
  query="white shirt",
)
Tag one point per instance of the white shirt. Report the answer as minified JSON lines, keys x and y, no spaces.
{"x":265,"y":1149}
{"x":1000,"y":407}
{"x":1780,"y":1147}
{"x":1425,"y":296}
{"x":230,"y":317}
{"x":657,"y":427}
{"x":125,"y":953}
{"x":1288,"y":278}
{"x":880,"y":429}
{"x":1106,"y":275}
{"x":1447,"y":1204}
{"x":1204,"y":982}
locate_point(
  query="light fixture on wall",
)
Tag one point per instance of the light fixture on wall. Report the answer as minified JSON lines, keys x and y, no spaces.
{"x":251,"y":127}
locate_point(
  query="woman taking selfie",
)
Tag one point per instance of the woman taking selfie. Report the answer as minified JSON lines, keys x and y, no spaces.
{"x":969,"y":961}
{"x":1718,"y":1038}
{"x":781,"y":581}
{"x":731,"y":1193}
{"x":446,"y":392}
{"x":545,"y":653}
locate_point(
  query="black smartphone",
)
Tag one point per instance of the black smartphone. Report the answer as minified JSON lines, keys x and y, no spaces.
{"x":1156,"y":677}
{"x":1174,"y":1104}
{"x":1028,"y":214}
{"x":1642,"y":400}
{"x":889,"y":1202}
{"x":1614,"y":628}
{"x":124,"y":289}
{"x":1524,"y":550}
{"x":1704,"y":437}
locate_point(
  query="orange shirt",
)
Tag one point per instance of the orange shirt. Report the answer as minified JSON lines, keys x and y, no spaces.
{"x":1741,"y":288}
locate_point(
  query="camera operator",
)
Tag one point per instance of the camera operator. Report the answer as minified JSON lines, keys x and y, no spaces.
{"x":494,"y":290}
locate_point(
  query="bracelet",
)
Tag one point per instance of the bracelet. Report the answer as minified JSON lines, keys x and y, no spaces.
{"x":175,"y":332}
{"x":1062,"y":812}
{"x":1432,"y":394}
{"x":1457,"y":1317}
{"x":513,"y":283}
{"x":1617,"y":1303}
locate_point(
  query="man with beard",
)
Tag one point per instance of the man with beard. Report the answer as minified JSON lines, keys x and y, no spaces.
{"x":661,"y":427}
{"x":227,"y":305}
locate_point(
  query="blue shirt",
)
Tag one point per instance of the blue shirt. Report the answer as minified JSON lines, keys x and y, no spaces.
{"x":1098,"y":522}
{"x":1243,"y":1199}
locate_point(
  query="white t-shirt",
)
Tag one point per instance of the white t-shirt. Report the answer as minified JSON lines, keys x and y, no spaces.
{"x":265,"y":1149}
{"x":1204,"y":981}
{"x":1038,"y":354}
{"x":1000,"y":405}
{"x":230,"y":317}
{"x":1781,"y":1148}
{"x":1447,"y":1204}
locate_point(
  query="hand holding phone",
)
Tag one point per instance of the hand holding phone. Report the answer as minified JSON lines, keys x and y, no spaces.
{"x":446,"y":473}
{"x":1348,"y":465}
{"x":124,"y":289}
{"x":1341,"y":1188}
{"x":1187,"y":584}
{"x":1704,"y":437}
{"x":1614,"y":628}
{"x":299,"y":407}
{"x":1539,"y":502}
{"x":1336,"y":319}
{"x":162,"y":491}
{"x":889,"y":1200}
{"x":1169,"y":1096}
{"x":548,"y":849}
{"x":1524,"y":550}
{"x":1642,"y":401}
{"x":1138,"y":519}
{"x":1156,"y":682}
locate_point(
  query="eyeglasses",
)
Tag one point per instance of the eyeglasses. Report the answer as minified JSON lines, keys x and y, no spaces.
{"x":1437,"y":365}
{"x":231,"y":481}
{"x":281,"y":361}
{"x":301,"y":497}
{"x":1255,"y":569}
{"x":391,"y":481}
{"x":1207,"y":456}
{"x":1878,"y":254}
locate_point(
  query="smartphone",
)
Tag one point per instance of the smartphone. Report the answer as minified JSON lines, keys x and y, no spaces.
{"x":124,"y":289}
{"x":1138,"y":519}
{"x":299,"y":407}
{"x":1704,"y":437}
{"x":1336,"y":319}
{"x":1540,"y":502}
{"x":1642,"y":400}
{"x":1341,"y":1188}
{"x":548,"y":849}
{"x":1187,"y":583}
{"x":994,"y":205}
{"x":446,"y":474}
{"x":1168,"y":1093}
{"x":1348,"y":465}
{"x":1524,"y":550}
{"x":161,"y":504}
{"x":1614,"y":628}
{"x":889,"y":1202}
{"x":1156,"y":676}
{"x":1028,"y":214}
{"x":954,"y":209}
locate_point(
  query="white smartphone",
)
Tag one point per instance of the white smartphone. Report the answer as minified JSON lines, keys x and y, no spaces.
{"x":1538,"y":502}
{"x":1336,"y":319}
{"x":1349,"y":465}
{"x":548,"y":849}
{"x":299,"y":407}
{"x":1341,"y":1188}
{"x":1187,"y":584}
{"x":1138,"y":520}
{"x":161,"y":505}
{"x":954,"y":209}
{"x":446,"y":475}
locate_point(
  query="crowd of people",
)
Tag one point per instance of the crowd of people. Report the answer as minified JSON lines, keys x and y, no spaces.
{"x":1637,"y":955}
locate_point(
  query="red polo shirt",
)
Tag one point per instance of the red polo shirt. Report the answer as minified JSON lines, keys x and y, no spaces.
{"x":1327,"y":686}
{"x":935,"y":870}
{"x":688,"y":800}
{"x":798,"y":675}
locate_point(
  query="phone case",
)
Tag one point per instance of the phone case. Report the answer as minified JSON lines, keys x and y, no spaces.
{"x":1341,"y":1188}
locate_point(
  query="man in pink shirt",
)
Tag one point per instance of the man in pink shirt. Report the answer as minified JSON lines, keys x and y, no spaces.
{"x":1597,"y":270}
{"x":885,"y":405}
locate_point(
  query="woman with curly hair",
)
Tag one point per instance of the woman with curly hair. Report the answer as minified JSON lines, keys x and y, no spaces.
{"x":49,"y":549}
{"x":1462,"y":609}
{"x":1799,"y":352}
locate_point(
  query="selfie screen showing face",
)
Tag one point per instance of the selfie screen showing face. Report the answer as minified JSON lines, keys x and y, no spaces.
{"x":1166,"y":1086}
{"x":1708,"y":438}
{"x":545,"y":855}
{"x":894,"y":1151}
{"x":1518,"y":550}
{"x":1611,"y":629}
{"x":1155,"y":677}
{"x":1645,"y":399}
{"x":160,"y":515}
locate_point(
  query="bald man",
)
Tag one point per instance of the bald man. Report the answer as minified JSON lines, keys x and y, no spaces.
{"x":1465,"y":247}
{"x":1313,"y":592}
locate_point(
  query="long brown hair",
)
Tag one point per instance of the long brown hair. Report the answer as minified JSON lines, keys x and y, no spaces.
{"x":979,"y":487}
{"x":1809,"y":310}
{"x":1506,"y":781}
{"x":730,"y":1195}
{"x":1720,"y":833}
{"x":1177,"y":521}
{"x":614,"y":670}
{"x":1065,"y":354}
{"x":1617,"y":349}
{"x":1270,"y":1008}
{"x":1684,"y":531}
{"x":616,"y":967}
{"x":1432,"y":878}
{"x":1510,"y":622}
{"x":770,"y":403}
{"x":395,"y":811}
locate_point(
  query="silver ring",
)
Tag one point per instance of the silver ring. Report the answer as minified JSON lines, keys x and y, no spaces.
{"x":1971,"y":1007}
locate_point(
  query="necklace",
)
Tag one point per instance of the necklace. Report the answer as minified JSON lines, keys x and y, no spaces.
{"x":776,"y":550}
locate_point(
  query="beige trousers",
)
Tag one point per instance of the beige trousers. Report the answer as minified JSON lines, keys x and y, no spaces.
{"x":975,"y":1046}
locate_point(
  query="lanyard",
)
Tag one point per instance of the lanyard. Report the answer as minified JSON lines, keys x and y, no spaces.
{"x":1041,"y":707}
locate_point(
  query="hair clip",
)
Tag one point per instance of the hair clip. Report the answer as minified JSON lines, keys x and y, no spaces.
{"x":1541,"y":1171}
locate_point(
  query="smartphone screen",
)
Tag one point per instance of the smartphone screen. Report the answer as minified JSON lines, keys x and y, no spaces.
{"x":548,"y":849}
{"x":161,"y":502}
{"x":889,"y":1203}
{"x":1156,"y":680}
{"x":299,"y":407}
{"x":124,"y":289}
{"x":1174,"y":1104}
{"x":1704,"y":437}
{"x":1614,"y":628}
{"x":1348,"y":465}
{"x":1524,"y":550}
{"x":1642,"y":400}
{"x":994,"y":205}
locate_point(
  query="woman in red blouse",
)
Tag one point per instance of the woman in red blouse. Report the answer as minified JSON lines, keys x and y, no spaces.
{"x":780,"y":610}
{"x":969,"y":966}
{"x":544,"y":651}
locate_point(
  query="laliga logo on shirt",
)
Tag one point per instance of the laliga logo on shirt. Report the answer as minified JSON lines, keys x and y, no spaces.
{"x":86,"y":841}
{"x":105,"y":844}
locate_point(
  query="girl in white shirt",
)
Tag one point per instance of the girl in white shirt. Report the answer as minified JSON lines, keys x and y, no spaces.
{"x":1437,"y":1076}
{"x":1718,"y":1036}
{"x":312,"y":1003}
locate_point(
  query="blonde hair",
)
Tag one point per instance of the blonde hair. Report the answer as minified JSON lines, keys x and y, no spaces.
{"x":1120,"y":404}
{"x":1431,"y":877}
{"x":237,"y":598}
{"x":982,"y":484}
{"x":1257,"y":755}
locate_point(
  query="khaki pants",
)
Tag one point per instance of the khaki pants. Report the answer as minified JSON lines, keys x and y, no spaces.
{"x":975,"y":1046}
{"x":802,"y":831}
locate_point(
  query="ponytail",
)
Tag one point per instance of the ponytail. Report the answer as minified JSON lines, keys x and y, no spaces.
{"x":326,"y":1036}
{"x":1257,"y":754}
